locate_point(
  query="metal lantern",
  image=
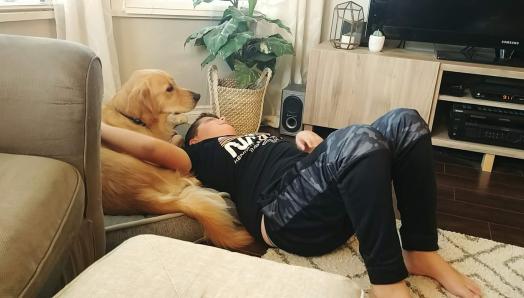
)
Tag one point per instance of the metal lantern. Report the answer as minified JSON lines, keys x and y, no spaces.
{"x":347,"y":25}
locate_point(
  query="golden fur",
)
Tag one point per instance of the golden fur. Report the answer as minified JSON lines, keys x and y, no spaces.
{"x":131,"y":186}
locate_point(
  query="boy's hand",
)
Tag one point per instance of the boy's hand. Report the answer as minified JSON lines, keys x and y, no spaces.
{"x":307,"y":140}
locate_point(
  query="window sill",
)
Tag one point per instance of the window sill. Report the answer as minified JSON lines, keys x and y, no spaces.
{"x":169,"y":13}
{"x":166,"y":9}
{"x":13,"y":13}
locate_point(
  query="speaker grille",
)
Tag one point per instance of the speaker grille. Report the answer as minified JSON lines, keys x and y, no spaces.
{"x":292,"y":113}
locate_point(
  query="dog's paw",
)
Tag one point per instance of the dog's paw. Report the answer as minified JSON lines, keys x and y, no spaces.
{"x":177,"y":119}
{"x":177,"y":140}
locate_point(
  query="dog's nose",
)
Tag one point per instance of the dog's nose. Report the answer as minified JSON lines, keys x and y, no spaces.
{"x":196,"y":96}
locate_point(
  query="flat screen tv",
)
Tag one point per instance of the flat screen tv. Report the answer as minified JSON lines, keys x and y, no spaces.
{"x":497,"y":24}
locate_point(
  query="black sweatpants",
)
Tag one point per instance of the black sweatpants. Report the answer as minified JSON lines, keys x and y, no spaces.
{"x":344,"y":187}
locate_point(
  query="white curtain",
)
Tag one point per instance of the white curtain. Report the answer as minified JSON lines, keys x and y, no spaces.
{"x":304,"y":18}
{"x":90,"y":22}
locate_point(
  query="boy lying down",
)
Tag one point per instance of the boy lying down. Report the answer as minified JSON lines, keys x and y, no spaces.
{"x":309,"y":198}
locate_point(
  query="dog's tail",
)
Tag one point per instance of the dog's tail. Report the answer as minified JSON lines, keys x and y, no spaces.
{"x":211,"y":210}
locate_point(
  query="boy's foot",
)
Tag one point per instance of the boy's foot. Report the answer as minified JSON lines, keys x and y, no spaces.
{"x":396,"y":290}
{"x":433,"y":265}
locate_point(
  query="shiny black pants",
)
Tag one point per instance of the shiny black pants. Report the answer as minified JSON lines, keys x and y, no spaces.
{"x":344,"y":187}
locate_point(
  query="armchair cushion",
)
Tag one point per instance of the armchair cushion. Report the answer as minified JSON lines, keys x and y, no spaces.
{"x":43,"y":202}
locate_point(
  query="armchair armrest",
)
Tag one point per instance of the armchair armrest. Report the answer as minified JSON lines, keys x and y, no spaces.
{"x":50,"y":96}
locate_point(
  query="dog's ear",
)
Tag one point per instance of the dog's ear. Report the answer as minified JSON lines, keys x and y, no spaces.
{"x":141,"y":104}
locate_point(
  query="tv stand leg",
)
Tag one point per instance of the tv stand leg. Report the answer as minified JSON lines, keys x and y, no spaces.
{"x":308,"y":127}
{"x":487,"y":162}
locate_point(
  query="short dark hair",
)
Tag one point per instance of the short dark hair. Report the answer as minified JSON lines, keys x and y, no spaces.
{"x":192,"y":131}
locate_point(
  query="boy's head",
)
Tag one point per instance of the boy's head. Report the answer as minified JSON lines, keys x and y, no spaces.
{"x":207,"y":126}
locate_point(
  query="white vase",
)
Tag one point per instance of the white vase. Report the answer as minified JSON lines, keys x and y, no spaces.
{"x":376,"y":43}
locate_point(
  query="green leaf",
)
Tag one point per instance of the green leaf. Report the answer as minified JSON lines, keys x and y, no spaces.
{"x":208,"y":59}
{"x":243,"y":27}
{"x":270,"y":64}
{"x":261,"y":57}
{"x":252,"y":4}
{"x":235,"y":13}
{"x":199,"y":42}
{"x":196,"y":2}
{"x":278,"y":22}
{"x":231,"y":61}
{"x":235,"y":43}
{"x":244,"y":75}
{"x":218,"y":37}
{"x":276,"y":45}
{"x":199,"y":34}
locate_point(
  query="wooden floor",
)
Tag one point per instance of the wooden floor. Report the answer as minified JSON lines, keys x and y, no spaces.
{"x":487,"y":205}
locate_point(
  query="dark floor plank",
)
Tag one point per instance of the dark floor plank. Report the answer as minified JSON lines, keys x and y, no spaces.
{"x":472,"y":160}
{"x":513,"y":180}
{"x":507,"y":234}
{"x":445,"y":193}
{"x":463,"y":225}
{"x":439,"y":167}
{"x":482,"y":213}
{"x":489,"y":200}
{"x":508,"y":165}
{"x":482,"y":183}
{"x":459,"y":157}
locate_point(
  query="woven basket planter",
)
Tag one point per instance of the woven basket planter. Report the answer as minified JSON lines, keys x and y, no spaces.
{"x":241,"y":107}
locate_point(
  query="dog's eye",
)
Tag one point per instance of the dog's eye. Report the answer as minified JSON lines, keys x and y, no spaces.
{"x":170,"y":88}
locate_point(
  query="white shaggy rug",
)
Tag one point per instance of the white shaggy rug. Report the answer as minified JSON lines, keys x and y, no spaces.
{"x":498,"y":268}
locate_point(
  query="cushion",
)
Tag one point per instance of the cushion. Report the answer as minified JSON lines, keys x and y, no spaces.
{"x":153,"y":266}
{"x":176,"y":225}
{"x":43,"y":204}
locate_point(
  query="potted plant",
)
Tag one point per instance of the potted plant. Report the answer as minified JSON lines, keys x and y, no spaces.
{"x":252,"y":59}
{"x":376,"y":41}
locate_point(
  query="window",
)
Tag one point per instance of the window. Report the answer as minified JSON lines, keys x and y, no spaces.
{"x":25,"y":10}
{"x":182,"y":8}
{"x":23,"y":2}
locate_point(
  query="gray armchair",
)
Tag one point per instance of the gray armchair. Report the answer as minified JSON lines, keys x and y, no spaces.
{"x":51,"y":227}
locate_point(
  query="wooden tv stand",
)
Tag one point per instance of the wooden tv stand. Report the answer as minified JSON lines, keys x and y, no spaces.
{"x":356,"y":86}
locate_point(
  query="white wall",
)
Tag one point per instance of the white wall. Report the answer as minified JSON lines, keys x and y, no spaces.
{"x":144,"y":43}
{"x":159,"y":43}
{"x":40,"y":28}
{"x":329,"y":5}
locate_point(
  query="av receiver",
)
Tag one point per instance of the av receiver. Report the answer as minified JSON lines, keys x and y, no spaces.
{"x":488,"y":125}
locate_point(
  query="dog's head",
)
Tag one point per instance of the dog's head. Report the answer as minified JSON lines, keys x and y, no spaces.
{"x":149,"y":96}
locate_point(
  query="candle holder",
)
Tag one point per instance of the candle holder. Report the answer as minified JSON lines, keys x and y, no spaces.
{"x":347,"y":25}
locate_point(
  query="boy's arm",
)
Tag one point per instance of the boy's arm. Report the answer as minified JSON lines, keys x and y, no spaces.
{"x":146,"y":148}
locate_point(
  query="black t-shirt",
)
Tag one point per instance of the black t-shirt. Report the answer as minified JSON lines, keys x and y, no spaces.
{"x":243,"y":166}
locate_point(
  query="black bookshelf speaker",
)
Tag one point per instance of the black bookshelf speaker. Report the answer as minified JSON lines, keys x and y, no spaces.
{"x":292,"y":109}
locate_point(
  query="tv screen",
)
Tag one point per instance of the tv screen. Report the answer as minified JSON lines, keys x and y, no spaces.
{"x":479,"y":23}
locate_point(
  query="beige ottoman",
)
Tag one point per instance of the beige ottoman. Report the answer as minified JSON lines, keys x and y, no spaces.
{"x":154,"y":266}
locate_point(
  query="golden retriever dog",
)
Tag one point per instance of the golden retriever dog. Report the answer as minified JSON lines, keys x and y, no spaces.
{"x":150,"y":103}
